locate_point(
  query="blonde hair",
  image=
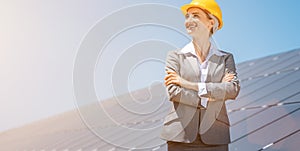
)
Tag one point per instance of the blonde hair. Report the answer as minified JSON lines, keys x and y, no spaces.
{"x":216,"y":25}
{"x":216,"y":21}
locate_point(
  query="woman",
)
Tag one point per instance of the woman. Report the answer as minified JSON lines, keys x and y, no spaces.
{"x":200,"y":78}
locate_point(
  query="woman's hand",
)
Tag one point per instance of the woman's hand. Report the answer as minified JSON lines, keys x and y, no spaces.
{"x":173,"y":78}
{"x":228,"y":77}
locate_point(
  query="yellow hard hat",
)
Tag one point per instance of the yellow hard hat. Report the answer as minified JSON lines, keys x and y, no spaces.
{"x":209,"y":5}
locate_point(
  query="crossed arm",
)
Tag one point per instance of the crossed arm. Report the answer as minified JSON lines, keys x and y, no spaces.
{"x":186,"y":92}
{"x":173,"y":78}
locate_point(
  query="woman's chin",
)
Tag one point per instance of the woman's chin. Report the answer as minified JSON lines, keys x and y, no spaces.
{"x":190,"y":32}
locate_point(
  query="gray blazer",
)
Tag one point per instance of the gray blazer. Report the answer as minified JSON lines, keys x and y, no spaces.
{"x":185,"y":119}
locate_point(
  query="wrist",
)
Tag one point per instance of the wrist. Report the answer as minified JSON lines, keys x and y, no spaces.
{"x":192,"y":85}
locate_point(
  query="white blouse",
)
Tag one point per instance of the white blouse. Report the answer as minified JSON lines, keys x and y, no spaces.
{"x":203,"y":68}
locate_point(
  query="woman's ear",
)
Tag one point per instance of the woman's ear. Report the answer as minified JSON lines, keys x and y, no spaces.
{"x":211,"y":23}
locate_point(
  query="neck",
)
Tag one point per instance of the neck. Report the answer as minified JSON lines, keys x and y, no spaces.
{"x":201,"y":47}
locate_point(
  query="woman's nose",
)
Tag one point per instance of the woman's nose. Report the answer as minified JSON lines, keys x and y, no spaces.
{"x":188,"y":19}
{"x":188,"y":22}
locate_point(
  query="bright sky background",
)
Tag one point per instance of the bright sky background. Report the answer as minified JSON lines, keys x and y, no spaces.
{"x":39,"y":41}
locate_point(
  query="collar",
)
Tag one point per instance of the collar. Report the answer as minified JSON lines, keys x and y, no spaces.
{"x":189,"y":48}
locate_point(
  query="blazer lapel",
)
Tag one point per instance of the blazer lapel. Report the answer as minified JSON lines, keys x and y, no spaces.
{"x":213,"y":63}
{"x":194,"y":63}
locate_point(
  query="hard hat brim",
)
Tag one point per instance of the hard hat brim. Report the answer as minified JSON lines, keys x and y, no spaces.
{"x":185,"y":8}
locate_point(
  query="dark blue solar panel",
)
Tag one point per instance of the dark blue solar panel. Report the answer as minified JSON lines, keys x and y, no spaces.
{"x":270,"y":133}
{"x":291,"y":143}
{"x":266,"y":114}
{"x":264,"y":88}
{"x":261,"y":117}
{"x":257,"y":66}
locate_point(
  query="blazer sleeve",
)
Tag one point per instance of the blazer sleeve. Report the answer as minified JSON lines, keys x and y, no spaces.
{"x":175,"y":92}
{"x":225,"y":90}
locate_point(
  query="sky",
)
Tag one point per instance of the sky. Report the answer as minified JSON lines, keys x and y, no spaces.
{"x":40,"y":43}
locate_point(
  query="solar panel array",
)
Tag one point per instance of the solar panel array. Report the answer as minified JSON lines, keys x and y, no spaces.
{"x":265,"y":116}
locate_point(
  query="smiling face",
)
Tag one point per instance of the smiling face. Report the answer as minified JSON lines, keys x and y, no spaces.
{"x":198,"y":23}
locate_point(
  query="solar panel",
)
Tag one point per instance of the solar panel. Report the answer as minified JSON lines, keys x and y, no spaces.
{"x":265,"y":116}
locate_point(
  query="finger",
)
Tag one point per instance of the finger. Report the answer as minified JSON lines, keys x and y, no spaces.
{"x":169,"y":81}
{"x":169,"y":76}
{"x":172,"y":81}
{"x":228,"y":76}
{"x":225,"y":79}
{"x":228,"y":79}
{"x":171,"y":72}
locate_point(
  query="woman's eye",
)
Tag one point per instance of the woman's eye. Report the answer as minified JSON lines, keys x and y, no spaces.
{"x":196,"y":16}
